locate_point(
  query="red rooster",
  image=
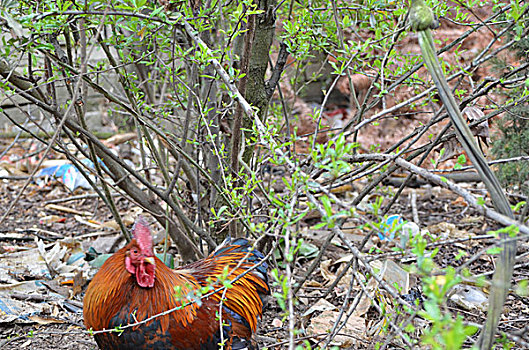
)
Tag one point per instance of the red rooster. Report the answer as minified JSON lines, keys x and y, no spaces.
{"x":133,"y":285}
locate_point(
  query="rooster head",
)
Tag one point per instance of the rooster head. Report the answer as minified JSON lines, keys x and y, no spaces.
{"x":139,"y":259}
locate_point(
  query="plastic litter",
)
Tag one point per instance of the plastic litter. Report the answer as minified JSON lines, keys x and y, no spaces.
{"x":408,"y":231}
{"x":469,"y":298}
{"x":70,"y":176}
{"x":390,"y":227}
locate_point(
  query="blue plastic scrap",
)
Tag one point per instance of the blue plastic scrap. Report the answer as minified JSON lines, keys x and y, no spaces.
{"x":70,"y":176}
{"x":390,"y":226}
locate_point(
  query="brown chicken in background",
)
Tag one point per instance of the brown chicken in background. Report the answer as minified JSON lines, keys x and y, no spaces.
{"x":133,"y":285}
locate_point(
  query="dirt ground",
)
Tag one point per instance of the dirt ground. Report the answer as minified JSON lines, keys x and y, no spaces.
{"x":60,"y":324}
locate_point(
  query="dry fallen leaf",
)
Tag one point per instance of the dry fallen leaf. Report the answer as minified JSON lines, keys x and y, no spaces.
{"x":321,"y":305}
{"x":78,"y":283}
{"x":67,"y":209}
{"x":25,"y":344}
{"x":120,"y":138}
{"x":447,"y":230}
{"x":327,"y":275}
{"x":354,"y":328}
{"x":459,"y":201}
{"x":312,"y":283}
{"x":44,"y":320}
{"x":277,"y":323}
{"x":112,"y":224}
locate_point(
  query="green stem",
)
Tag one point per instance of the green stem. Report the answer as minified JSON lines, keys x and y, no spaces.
{"x":504,"y":267}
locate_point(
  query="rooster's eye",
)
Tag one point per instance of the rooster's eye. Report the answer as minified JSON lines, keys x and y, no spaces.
{"x":135,"y":251}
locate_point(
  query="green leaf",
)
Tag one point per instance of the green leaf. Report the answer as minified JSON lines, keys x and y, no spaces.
{"x":156,"y":11}
{"x":522,"y":289}
{"x":326,"y":205}
{"x":494,"y":250}
{"x":319,"y":225}
{"x":308,"y":250}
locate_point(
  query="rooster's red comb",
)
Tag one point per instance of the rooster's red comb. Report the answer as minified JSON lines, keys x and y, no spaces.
{"x":142,"y":234}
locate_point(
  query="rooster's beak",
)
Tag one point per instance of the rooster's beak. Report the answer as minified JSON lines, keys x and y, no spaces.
{"x":149,"y":259}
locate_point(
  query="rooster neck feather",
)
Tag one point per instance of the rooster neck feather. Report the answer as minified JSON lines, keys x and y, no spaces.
{"x":243,"y":298}
{"x":114,"y":288}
